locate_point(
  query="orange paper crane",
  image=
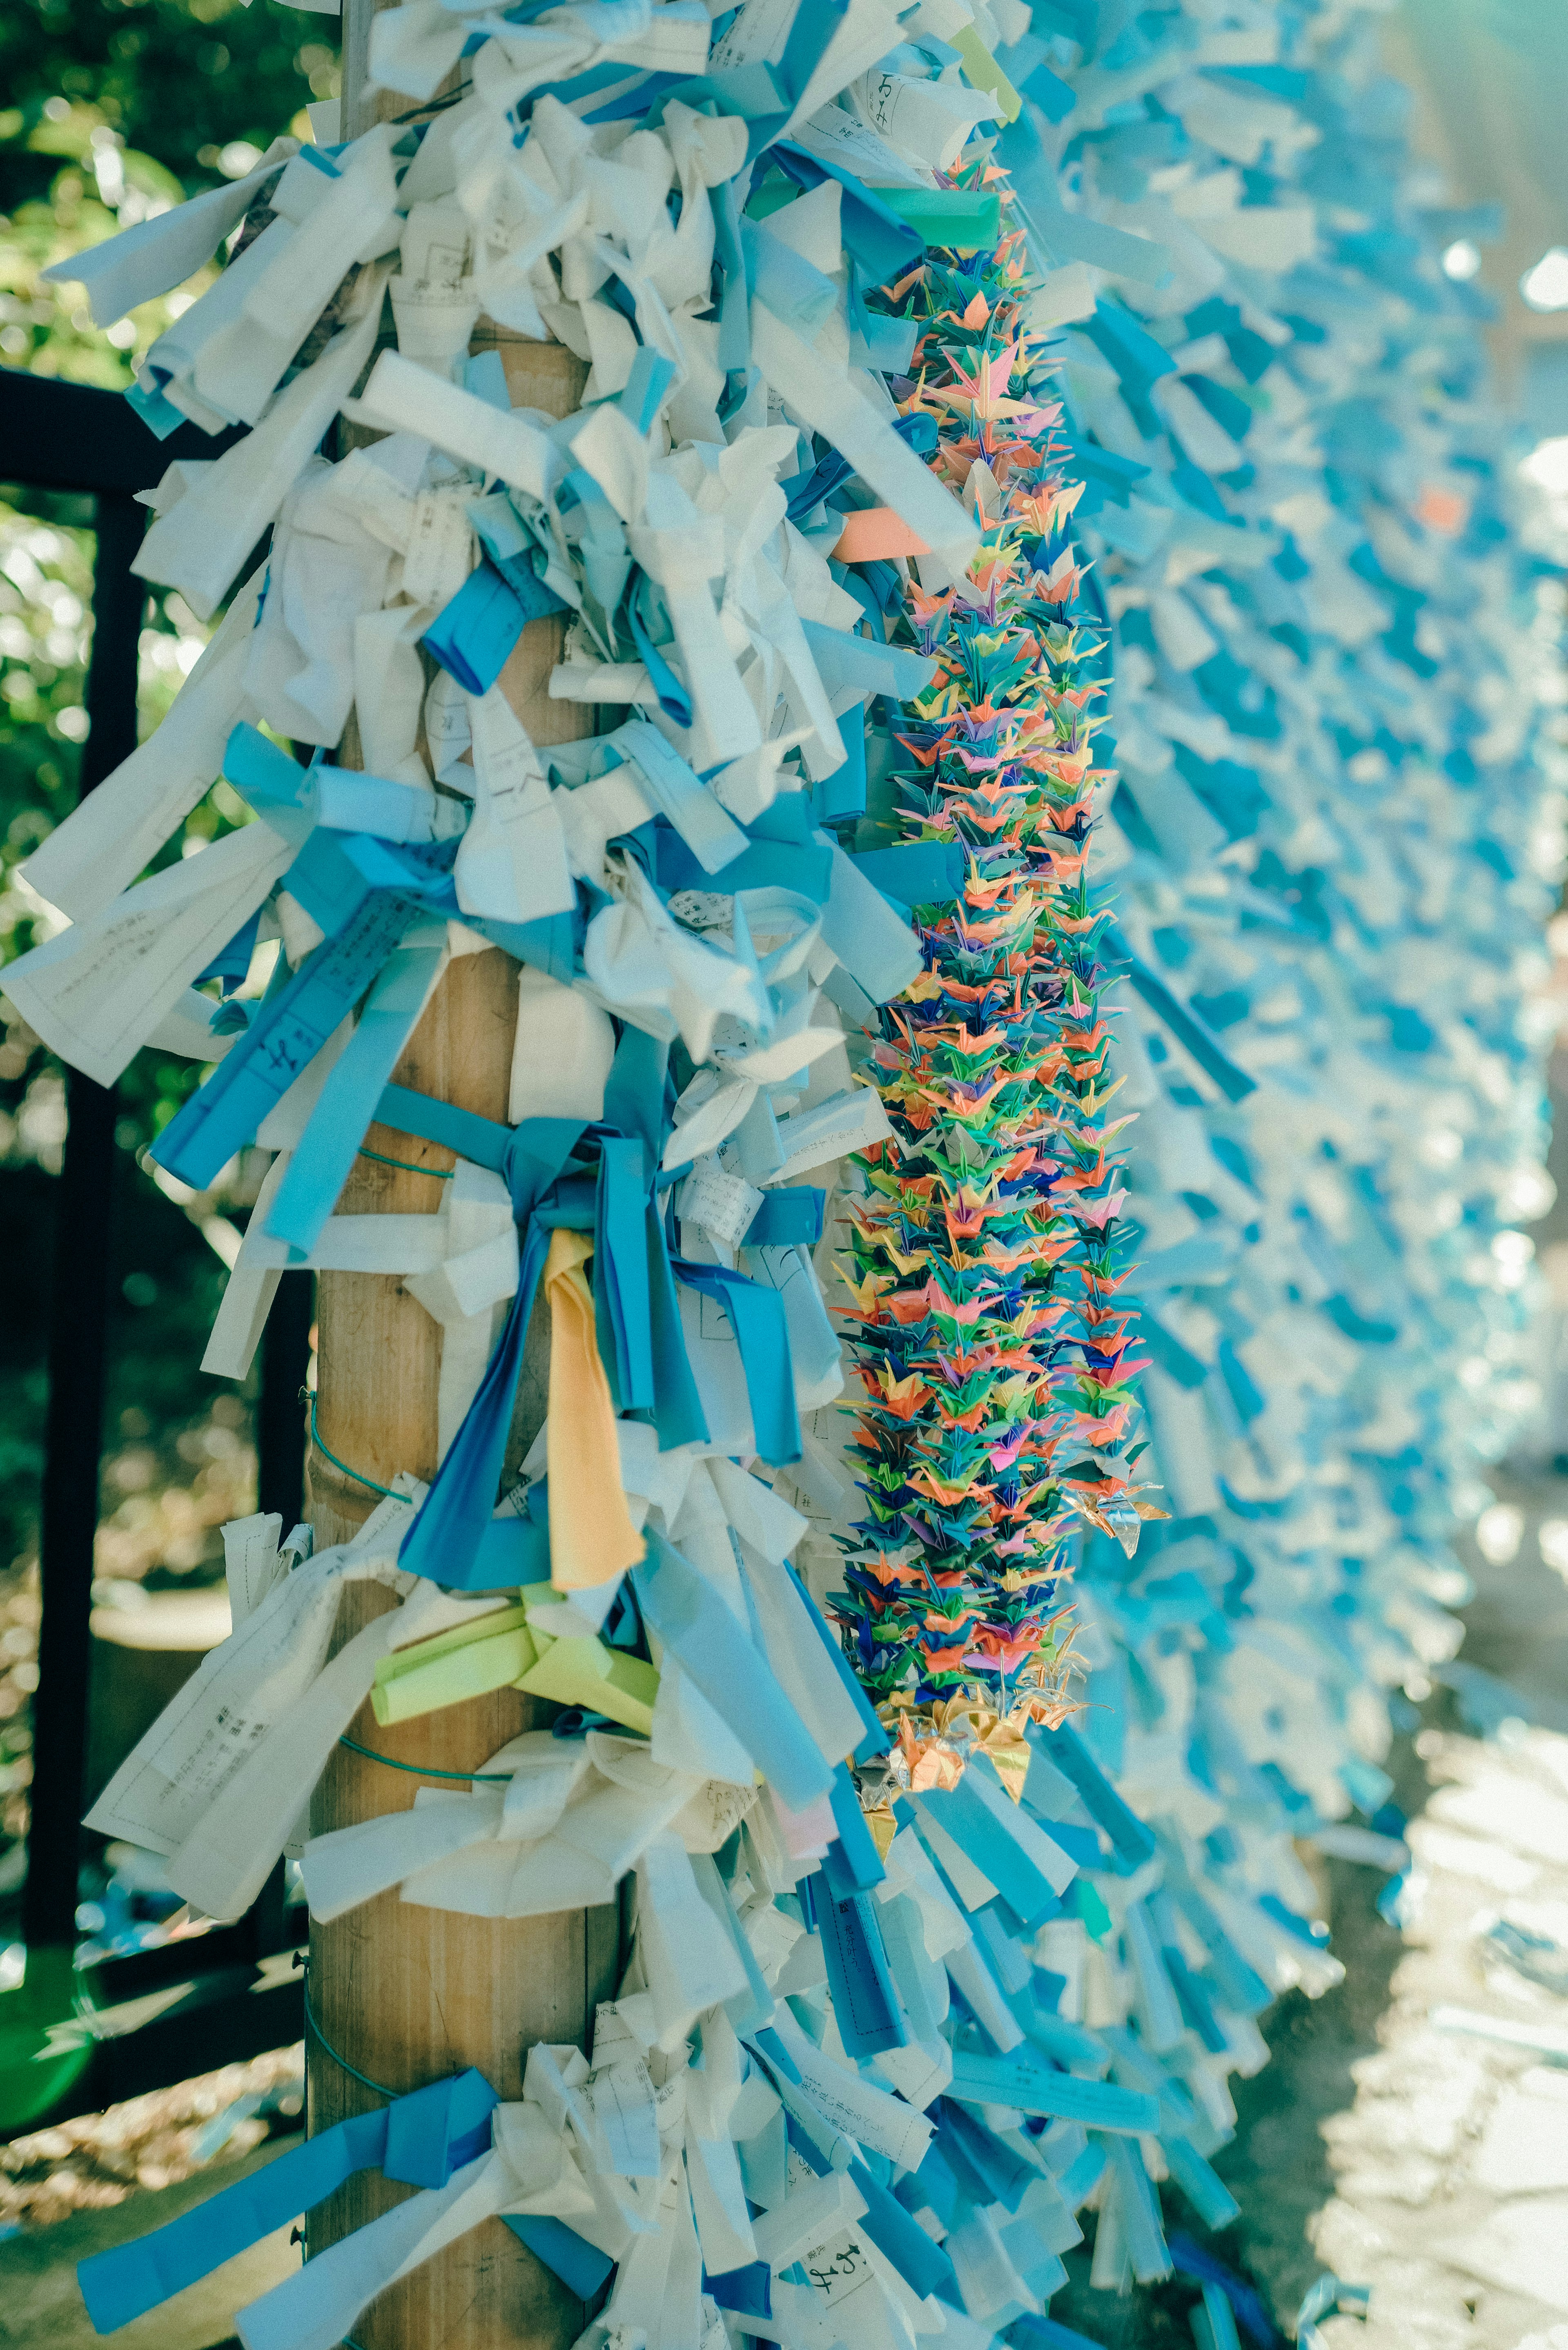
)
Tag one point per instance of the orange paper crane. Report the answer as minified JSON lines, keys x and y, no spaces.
{"x":984,"y":393}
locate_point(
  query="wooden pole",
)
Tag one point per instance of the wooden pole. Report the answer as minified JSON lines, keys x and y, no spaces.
{"x":410,"y":1996}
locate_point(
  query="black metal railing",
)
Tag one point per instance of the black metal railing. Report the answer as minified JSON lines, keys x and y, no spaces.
{"x":72,"y":437}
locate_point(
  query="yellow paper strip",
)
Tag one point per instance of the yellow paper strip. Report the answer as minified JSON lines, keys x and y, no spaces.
{"x":984,"y":73}
{"x":592,"y":1538}
{"x":469,"y":1662}
{"x":581,"y":1670}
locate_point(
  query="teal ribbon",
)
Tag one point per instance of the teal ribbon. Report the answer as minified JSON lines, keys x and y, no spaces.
{"x":286,"y":1035}
{"x":474,"y":634}
{"x":756,"y":1315}
{"x":623,"y":1311}
{"x":446,"y":1541}
{"x":727,"y":1668}
{"x":419,"y":2139}
{"x":365,"y":893}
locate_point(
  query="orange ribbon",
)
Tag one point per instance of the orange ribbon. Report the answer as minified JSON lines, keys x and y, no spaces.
{"x":592,"y":1538}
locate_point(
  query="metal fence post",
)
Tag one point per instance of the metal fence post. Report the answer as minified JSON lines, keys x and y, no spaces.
{"x":280,"y":1486}
{"x":280,"y":1415}
{"x":83,"y":1213}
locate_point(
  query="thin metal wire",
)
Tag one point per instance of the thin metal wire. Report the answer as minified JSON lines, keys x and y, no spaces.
{"x":359,"y":1478}
{"x":432,"y":106}
{"x":499,"y":1778}
{"x":442,"y":1174}
{"x":353,"y":2071}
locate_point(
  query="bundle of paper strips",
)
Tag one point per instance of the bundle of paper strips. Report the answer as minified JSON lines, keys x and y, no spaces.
{"x":924,"y":1964}
{"x":729,"y":521}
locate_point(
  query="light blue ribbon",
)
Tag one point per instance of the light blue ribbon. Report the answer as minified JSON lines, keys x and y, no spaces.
{"x":474,"y":634}
{"x":337,"y":1125}
{"x":282,"y":1041}
{"x":419,"y":2139}
{"x":756,"y":1315}
{"x":724,"y":1665}
{"x":638,"y":1323}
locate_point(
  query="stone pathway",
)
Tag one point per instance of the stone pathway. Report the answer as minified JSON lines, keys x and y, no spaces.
{"x":1428,"y":2162}
{"x":1450,"y":2167}
{"x":1451,"y":2164}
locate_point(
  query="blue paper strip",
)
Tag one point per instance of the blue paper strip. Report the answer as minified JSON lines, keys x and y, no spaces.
{"x":912,"y":1970}
{"x":473,"y":635}
{"x":1003,"y":2175}
{"x":918,"y":872}
{"x":854,"y":1865}
{"x":232,"y":963}
{"x":1031,"y":2085}
{"x":924,"y":2266}
{"x":1134,"y":1843}
{"x":866,"y":2004}
{"x":788,"y":1219}
{"x":622,"y":1305}
{"x":878,"y":1737}
{"x":582,"y":2268}
{"x":1183,"y":1024}
{"x":421,"y":2139}
{"x":737,"y":1681}
{"x":510,"y":550}
{"x":754,"y":2008}
{"x":746,"y":2291}
{"x":337,"y":1125}
{"x":756,"y":1315}
{"x":1201,"y":2183}
{"x":984,"y":1840}
{"x":283,"y":1040}
{"x":446,"y":1539}
{"x":883,"y":244}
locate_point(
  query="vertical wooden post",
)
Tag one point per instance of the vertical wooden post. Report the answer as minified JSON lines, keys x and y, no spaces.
{"x":408,"y":1995}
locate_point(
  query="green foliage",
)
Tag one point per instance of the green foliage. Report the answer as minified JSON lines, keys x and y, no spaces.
{"x":177,"y":80}
{"x":117,"y":109}
{"x":45,"y":591}
{"x":114,"y":110}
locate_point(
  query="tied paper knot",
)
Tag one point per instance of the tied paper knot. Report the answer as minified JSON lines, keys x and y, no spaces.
{"x":567,"y":1176}
{"x":421,"y":2139}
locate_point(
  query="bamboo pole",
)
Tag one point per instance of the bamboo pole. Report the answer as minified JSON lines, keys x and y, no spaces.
{"x":408,"y":1995}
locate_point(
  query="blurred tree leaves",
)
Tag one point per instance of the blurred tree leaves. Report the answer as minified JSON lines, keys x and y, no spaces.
{"x":177,"y":80}
{"x":112,"y":111}
{"x":117,"y":110}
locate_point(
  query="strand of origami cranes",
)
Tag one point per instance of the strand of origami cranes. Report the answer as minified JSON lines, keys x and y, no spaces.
{"x":1338,"y":821}
{"x":983,"y":1372}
